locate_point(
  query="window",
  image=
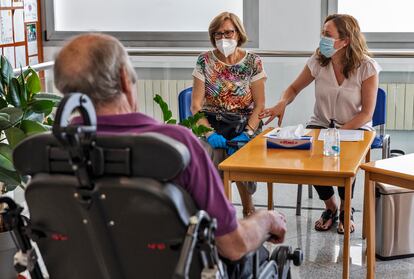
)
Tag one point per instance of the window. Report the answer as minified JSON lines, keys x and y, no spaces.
{"x":386,"y":24}
{"x":151,"y":23}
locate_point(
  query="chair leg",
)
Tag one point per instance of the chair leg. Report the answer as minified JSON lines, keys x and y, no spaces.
{"x":310,"y":192}
{"x":299,"y":200}
{"x":270,"y":204}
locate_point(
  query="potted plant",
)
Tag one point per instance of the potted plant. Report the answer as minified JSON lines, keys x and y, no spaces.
{"x":24,"y":111}
{"x":191,"y":122}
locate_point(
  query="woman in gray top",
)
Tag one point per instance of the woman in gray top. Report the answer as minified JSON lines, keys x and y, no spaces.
{"x":346,"y":84}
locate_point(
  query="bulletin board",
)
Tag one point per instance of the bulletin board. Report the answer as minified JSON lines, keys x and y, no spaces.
{"x":20,"y":32}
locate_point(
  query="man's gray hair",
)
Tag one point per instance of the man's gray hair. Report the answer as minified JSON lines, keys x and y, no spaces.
{"x":92,"y":64}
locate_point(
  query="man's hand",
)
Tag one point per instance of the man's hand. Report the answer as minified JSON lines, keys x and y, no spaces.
{"x":278,"y":228}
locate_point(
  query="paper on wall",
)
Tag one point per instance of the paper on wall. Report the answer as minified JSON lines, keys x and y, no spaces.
{"x":18,"y":21}
{"x":33,"y":60}
{"x":30,"y":10}
{"x":5,"y":3}
{"x":9,"y":53}
{"x":6,"y":27}
{"x":17,"y":3}
{"x":31,"y":39}
{"x":21,"y":56}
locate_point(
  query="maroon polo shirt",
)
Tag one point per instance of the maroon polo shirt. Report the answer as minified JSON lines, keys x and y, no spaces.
{"x":200,"y":179}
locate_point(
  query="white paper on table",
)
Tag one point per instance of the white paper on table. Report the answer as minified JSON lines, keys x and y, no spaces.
{"x":5,"y":3}
{"x":21,"y":56}
{"x":30,"y":10}
{"x":273,"y":133}
{"x":33,"y":60}
{"x":9,"y":53}
{"x":31,"y":32}
{"x":17,"y":3}
{"x":345,"y":135}
{"x":6,"y":27}
{"x":18,"y":26}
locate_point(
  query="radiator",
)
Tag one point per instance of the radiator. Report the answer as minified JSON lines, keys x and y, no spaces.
{"x":167,"y":89}
{"x":400,"y":105}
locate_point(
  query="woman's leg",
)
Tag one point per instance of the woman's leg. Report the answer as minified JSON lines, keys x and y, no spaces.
{"x":217,"y":156}
{"x":341,"y":192}
{"x":326,"y":193}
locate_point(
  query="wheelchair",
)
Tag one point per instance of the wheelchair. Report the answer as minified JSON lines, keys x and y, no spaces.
{"x":105,"y":206}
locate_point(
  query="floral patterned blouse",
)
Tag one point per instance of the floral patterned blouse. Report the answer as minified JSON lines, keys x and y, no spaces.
{"x":227,"y":87}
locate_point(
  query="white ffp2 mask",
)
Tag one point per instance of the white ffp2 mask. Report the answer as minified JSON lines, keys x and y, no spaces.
{"x":226,"y":46}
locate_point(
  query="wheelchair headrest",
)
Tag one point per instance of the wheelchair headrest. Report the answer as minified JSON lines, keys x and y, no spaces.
{"x":146,"y":155}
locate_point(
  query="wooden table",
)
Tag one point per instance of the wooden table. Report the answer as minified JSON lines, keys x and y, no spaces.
{"x":254,"y":162}
{"x":398,"y":171}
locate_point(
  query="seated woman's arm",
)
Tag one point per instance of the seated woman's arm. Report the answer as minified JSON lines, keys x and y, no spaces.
{"x":258,"y":94}
{"x":369,"y":90}
{"x":197,"y":100}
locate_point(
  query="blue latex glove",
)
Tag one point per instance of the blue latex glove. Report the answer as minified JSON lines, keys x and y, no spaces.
{"x":241,"y":140}
{"x":217,"y":141}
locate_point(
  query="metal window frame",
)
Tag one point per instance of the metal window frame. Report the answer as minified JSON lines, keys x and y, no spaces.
{"x":154,"y":39}
{"x":384,"y":40}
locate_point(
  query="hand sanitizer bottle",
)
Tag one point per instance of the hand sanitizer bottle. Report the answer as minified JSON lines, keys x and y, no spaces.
{"x":331,"y":142}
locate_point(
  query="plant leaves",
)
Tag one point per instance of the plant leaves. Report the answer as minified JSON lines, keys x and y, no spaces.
{"x":42,"y":106}
{"x":48,"y":96}
{"x":34,"y":116}
{"x":4,"y":121}
{"x":10,"y":178}
{"x":166,"y":112}
{"x":6,"y":157}
{"x":33,"y":82}
{"x":30,"y":127}
{"x":14,"y":135}
{"x":13,"y":96}
{"x":3,"y":102}
{"x":15,"y":114}
{"x":23,"y":92}
{"x":172,"y":121}
{"x":6,"y":70}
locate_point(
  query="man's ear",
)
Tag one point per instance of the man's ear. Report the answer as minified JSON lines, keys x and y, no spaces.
{"x":127,"y":87}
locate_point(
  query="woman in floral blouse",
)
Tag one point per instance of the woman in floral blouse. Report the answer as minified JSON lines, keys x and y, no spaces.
{"x":229,"y":83}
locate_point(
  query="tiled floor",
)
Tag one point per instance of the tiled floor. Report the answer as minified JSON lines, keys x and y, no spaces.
{"x":323,"y":250}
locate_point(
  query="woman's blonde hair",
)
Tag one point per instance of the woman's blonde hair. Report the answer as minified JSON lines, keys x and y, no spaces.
{"x":357,"y":48}
{"x":218,"y":21}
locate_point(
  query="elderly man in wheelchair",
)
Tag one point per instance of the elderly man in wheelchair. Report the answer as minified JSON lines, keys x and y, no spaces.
{"x":115,"y":194}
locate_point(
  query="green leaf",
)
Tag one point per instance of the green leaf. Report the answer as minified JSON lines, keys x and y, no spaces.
{"x":172,"y":121}
{"x":48,"y":96}
{"x":6,"y":70}
{"x":14,"y":135}
{"x":3,"y":102}
{"x":166,"y":112}
{"x":42,"y":106}
{"x":14,"y":93}
{"x":6,"y":157}
{"x":34,"y":116}
{"x":5,"y":121}
{"x":15,"y":114}
{"x":23,"y":93}
{"x":10,"y":178}
{"x":33,"y":81}
{"x":30,"y":127}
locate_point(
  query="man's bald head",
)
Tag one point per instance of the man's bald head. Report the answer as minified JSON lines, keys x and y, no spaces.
{"x":92,"y":64}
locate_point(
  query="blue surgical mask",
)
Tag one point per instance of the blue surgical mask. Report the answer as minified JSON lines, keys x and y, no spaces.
{"x":326,"y":47}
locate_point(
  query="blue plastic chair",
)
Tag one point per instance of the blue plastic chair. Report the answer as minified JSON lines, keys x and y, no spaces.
{"x":381,"y":140}
{"x":184,"y":103}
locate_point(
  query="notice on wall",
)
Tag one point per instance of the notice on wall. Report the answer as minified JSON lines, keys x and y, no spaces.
{"x":30,"y":10}
{"x":21,"y":56}
{"x":17,"y":3}
{"x":5,"y":3}
{"x":6,"y":27}
{"x":18,"y":21}
{"x":9,"y":53}
{"x":31,"y":32}
{"x":33,"y":60}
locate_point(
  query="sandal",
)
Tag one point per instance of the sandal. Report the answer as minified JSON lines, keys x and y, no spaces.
{"x":340,"y":230}
{"x":326,"y":216}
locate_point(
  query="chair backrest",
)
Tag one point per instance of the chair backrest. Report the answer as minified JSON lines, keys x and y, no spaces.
{"x":130,"y":224}
{"x":184,"y":103}
{"x":380,"y":111}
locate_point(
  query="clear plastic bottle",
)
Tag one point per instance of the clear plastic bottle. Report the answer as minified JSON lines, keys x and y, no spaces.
{"x":331,"y":144}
